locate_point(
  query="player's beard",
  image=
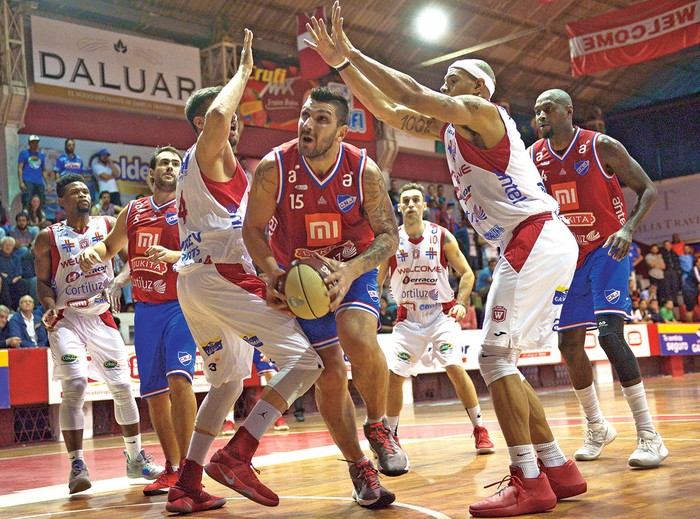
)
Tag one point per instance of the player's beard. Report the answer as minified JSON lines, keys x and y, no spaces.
{"x":164,"y":185}
{"x":84,"y":210}
{"x":548,"y":134}
{"x":320,"y":148}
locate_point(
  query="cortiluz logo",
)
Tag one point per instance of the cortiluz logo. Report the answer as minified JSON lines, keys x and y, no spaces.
{"x":322,"y":229}
{"x":147,"y":237}
{"x":566,"y":194}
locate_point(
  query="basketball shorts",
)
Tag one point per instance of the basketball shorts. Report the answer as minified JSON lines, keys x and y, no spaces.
{"x":600,"y":286}
{"x":530,"y":283}
{"x":78,"y":334}
{"x":164,"y":346}
{"x":263,"y":366}
{"x":227,"y":314}
{"x":411,"y":341}
{"x":363,"y":295}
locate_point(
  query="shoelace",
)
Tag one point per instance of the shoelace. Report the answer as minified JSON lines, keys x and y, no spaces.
{"x":369,"y":475}
{"x":512,"y":480}
{"x":382,"y":434}
{"x":644,"y":445}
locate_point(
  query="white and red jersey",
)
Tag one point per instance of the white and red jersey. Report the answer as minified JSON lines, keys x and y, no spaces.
{"x":589,"y":198}
{"x":210,"y":217}
{"x":147,"y":225}
{"x":498,"y":188}
{"x":74,"y":290}
{"x":420,"y":276}
{"x":319,"y":214}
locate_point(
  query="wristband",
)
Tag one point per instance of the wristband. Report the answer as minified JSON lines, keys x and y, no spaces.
{"x":343,"y":65}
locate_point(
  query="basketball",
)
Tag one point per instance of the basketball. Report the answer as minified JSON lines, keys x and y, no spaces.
{"x":307,"y":295}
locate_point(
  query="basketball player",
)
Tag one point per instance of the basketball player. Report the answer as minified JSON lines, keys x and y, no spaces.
{"x":165,"y":350}
{"x":428,"y":311}
{"x":77,"y":317}
{"x":500,"y":192}
{"x":224,"y":304}
{"x":323,"y":196}
{"x":580,"y":168}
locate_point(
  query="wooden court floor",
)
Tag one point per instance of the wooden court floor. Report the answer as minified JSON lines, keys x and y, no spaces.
{"x":446,"y":476}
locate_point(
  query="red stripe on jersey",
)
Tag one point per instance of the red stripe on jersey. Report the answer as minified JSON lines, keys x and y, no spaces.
{"x":524,"y":237}
{"x":231,"y":192}
{"x":108,"y":319}
{"x":235,"y":273}
{"x":443,"y":258}
{"x":55,"y":256}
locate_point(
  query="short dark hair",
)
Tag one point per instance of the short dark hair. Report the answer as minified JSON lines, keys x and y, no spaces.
{"x":160,"y":150}
{"x":199,"y":102}
{"x":413,"y":185}
{"x":326,"y":95}
{"x":67,"y":141}
{"x":105,"y":191}
{"x":62,"y":182}
{"x":22,"y":213}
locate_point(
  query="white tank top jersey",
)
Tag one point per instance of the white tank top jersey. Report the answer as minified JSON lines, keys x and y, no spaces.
{"x":498,"y":188}
{"x":75,"y":291}
{"x":419,"y":275}
{"x":211,"y":223}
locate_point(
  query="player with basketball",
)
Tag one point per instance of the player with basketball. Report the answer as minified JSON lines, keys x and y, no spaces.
{"x":224,"y":303}
{"x":165,"y":349}
{"x":500,"y":191}
{"x":77,"y":316}
{"x":321,"y":196}
{"x":428,"y":312}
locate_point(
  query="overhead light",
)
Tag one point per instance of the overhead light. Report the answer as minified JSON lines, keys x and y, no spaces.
{"x":431,"y":24}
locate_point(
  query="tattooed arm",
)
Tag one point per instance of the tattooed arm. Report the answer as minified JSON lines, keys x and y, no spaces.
{"x":380,"y":215}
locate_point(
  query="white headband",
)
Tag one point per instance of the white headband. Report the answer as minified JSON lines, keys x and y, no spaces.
{"x":468,"y":66}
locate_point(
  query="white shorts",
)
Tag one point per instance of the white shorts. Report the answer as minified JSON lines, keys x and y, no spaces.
{"x":228,"y":316}
{"x":529,"y":285}
{"x":411,"y":341}
{"x":76,"y":335}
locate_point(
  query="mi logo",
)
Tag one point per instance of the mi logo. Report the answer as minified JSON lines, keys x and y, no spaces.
{"x":566,"y":194}
{"x":322,"y":229}
{"x":147,"y":237}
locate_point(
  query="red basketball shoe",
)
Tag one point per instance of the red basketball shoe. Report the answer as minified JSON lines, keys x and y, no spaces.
{"x":521,"y":496}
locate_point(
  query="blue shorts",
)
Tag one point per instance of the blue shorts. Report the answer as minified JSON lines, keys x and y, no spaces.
{"x":600,"y":286}
{"x":262,"y":366}
{"x":363,"y":295}
{"x":164,"y":346}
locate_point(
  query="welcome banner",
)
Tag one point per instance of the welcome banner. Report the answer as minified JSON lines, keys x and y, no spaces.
{"x":639,"y":33}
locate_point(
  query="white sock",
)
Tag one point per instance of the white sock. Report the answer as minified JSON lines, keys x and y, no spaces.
{"x":475,"y":415}
{"x":199,"y":447}
{"x":636,"y":398}
{"x":523,"y":457}
{"x":363,"y":458}
{"x":589,"y":402}
{"x":230,"y":417}
{"x":393,"y":424}
{"x":550,"y":454}
{"x":261,"y":418}
{"x":133,"y":446}
{"x":374,"y":420}
{"x":75,"y":455}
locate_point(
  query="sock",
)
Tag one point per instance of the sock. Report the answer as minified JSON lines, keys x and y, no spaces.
{"x":393,"y":424}
{"x":374,"y":420}
{"x":230,"y":416}
{"x":636,"y":398}
{"x":475,"y":415}
{"x":261,"y":418}
{"x":199,"y":447}
{"x":523,"y":457}
{"x":550,"y":454}
{"x":133,"y":446}
{"x":363,"y":458}
{"x":75,"y":455}
{"x":589,"y":401}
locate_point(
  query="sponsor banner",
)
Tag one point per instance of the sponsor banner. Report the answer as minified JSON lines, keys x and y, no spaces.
{"x":637,"y":336}
{"x":679,"y":339}
{"x":627,"y":36}
{"x":676,"y":210}
{"x":274,"y":95}
{"x":112,"y":69}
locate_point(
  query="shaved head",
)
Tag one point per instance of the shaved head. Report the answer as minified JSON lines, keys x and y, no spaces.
{"x":557,"y":96}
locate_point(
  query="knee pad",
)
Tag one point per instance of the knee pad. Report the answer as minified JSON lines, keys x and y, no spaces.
{"x":70,"y":413}
{"x":612,"y":339}
{"x":125,"y":410}
{"x":496,"y":362}
{"x":291,"y":383}
{"x":216,"y":405}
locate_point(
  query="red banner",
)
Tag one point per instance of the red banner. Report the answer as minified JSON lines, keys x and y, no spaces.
{"x":628,"y":36}
{"x":311,"y":64}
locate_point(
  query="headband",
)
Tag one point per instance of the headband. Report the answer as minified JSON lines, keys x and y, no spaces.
{"x":468,"y":66}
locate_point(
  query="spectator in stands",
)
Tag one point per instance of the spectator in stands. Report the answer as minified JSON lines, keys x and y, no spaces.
{"x":23,"y":234}
{"x":107,"y":173}
{"x":485,"y":278}
{"x":35,"y":214}
{"x":654,"y":313}
{"x":447,"y":218}
{"x":691,"y":288}
{"x":13,"y":287}
{"x":637,"y":316}
{"x":667,"y":313}
{"x":7,"y":340}
{"x":644,"y":311}
{"x":5,"y":225}
{"x":105,"y":207}
{"x":387,"y":318}
{"x":636,"y":258}
{"x":672,"y":274}
{"x":677,"y":244}
{"x":394,"y":195}
{"x":32,"y":172}
{"x":27,"y":325}
{"x":469,"y":321}
{"x":463,"y":236}
{"x":69,"y":162}
{"x":657,"y":266}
